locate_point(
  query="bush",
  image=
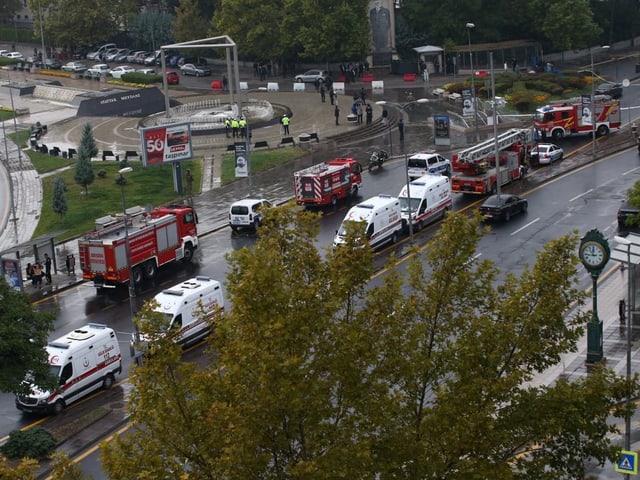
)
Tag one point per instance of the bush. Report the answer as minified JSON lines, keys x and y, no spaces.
{"x":141,"y":78}
{"x":102,"y":174}
{"x":33,"y":443}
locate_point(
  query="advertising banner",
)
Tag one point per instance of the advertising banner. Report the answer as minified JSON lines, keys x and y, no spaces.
{"x":585,"y":117}
{"x":242,"y":164}
{"x":170,"y":143}
{"x":441,"y":130}
{"x":467,"y":102}
{"x":11,"y":273}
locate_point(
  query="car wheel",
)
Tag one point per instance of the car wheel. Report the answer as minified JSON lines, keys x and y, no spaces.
{"x":58,"y":407}
{"x":188,"y":253}
{"x":137,"y":276}
{"x":394,"y":238}
{"x":150,"y":269}
{"x":507,"y":216}
{"x":525,"y":207}
{"x":334,"y":200}
{"x":108,"y":381}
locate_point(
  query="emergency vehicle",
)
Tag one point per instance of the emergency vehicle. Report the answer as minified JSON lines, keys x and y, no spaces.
{"x":572,"y":116}
{"x":83,"y":360}
{"x":165,"y":235}
{"x":429,"y":199}
{"x":381,"y":220}
{"x":474,"y":169}
{"x":326,"y":183}
{"x":188,"y":309}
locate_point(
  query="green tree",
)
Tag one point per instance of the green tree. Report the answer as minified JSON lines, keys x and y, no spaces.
{"x":190,"y":23}
{"x":8,"y":10}
{"x":59,"y":202}
{"x":313,"y":375}
{"x":84,"y":174}
{"x":23,"y":334}
{"x":150,"y":30}
{"x":584,"y":31}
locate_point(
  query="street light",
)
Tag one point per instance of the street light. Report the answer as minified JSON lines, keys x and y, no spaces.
{"x":593,"y":103}
{"x":402,"y":106}
{"x":469,"y":26}
{"x":627,"y":423}
{"x":132,"y":288}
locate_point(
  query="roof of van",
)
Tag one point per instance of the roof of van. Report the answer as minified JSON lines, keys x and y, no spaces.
{"x":173,"y":298}
{"x":364,"y":210}
{"x":419,"y":185}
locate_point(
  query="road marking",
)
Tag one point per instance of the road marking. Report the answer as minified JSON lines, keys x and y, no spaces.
{"x":525,"y":226}
{"x":581,"y":195}
{"x":630,"y":171}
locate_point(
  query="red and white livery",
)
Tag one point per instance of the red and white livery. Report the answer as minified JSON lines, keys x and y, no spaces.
{"x":326,"y":183}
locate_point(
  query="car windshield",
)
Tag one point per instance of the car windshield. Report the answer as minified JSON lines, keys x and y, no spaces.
{"x":494,"y":201}
{"x":404,"y":204}
{"x":345,"y":225}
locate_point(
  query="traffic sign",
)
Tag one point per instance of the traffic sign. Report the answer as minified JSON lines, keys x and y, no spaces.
{"x":627,"y":463}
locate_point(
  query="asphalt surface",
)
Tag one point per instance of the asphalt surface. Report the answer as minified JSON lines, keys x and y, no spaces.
{"x":309,"y":115}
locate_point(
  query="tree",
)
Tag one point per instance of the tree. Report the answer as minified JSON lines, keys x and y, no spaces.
{"x":584,"y":29}
{"x":59,"y":198}
{"x":312,"y":375}
{"x":87,"y":149}
{"x":190,"y":23}
{"x":151,"y":29}
{"x":23,"y":334}
{"x":8,"y":10}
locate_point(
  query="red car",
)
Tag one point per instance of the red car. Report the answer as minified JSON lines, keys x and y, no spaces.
{"x":173,"y":78}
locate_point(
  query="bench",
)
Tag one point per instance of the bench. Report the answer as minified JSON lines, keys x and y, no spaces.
{"x":261,"y":144}
{"x":72,"y":152}
{"x":131,"y":154}
{"x":287,"y":141}
{"x":109,"y":155}
{"x":409,"y":77}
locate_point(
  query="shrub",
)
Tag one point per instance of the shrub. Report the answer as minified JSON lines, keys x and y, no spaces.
{"x":102,"y":173}
{"x":141,"y":78}
{"x":33,"y":443}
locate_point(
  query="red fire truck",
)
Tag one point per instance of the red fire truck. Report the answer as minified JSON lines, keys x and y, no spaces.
{"x":165,"y":235}
{"x":474,"y":169}
{"x":326,"y":183}
{"x":574,"y":116}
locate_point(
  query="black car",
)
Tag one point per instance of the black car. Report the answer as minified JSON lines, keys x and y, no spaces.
{"x":614,"y":90}
{"x":624,"y":212}
{"x":503,"y":206}
{"x":52,"y":64}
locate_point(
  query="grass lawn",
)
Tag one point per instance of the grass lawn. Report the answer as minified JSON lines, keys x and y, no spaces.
{"x":259,"y":161}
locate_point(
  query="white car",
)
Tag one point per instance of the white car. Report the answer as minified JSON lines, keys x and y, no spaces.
{"x":98,"y":70}
{"x":76,"y":67}
{"x":3,"y":53}
{"x":15,"y":55}
{"x":121,"y":70}
{"x":146,"y":71}
{"x":545,"y":154}
{"x":427,"y":163}
{"x":246,"y":213}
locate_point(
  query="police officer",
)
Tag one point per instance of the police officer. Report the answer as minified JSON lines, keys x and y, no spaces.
{"x":242,"y":124}
{"x":235,"y":126}
{"x":285,"y":124}
{"x":227,"y":126}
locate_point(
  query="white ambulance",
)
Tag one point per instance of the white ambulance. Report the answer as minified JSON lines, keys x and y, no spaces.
{"x":430,"y":198}
{"x":84,"y":360}
{"x":188,"y":308}
{"x":381,"y":218}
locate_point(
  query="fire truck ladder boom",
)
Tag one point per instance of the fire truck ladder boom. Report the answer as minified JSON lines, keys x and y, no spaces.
{"x":488,"y":147}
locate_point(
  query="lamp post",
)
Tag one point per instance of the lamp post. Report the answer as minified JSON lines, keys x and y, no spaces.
{"x":627,"y":424}
{"x":44,"y":52}
{"x":469,"y":26}
{"x":593,"y":102}
{"x":402,"y":107}
{"x":132,"y":288}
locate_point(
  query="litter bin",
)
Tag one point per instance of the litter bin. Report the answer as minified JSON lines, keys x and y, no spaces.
{"x":71,"y":264}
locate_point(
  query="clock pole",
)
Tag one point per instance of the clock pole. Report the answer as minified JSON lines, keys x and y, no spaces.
{"x":594,"y":253}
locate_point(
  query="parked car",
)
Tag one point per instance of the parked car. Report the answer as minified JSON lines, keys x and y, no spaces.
{"x":3,"y":53}
{"x":191,"y":69}
{"x":545,"y":153}
{"x":52,"y":64}
{"x":503,"y":206}
{"x":614,"y":90}
{"x":624,"y":212}
{"x":96,"y":54}
{"x":146,"y":71}
{"x":173,"y":78}
{"x":246,"y":213}
{"x":98,"y":70}
{"x":139,"y":58}
{"x":75,"y":67}
{"x":121,"y":70}
{"x":15,"y":55}
{"x":122,"y":55}
{"x":198,"y":61}
{"x":152,"y":58}
{"x":111,"y":54}
{"x":132,"y":55}
{"x":310,"y":76}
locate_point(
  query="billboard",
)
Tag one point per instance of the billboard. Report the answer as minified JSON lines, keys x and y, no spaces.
{"x":441,"y":130}
{"x":242,"y":162}
{"x":11,"y":273}
{"x":170,"y":143}
{"x":585,"y":117}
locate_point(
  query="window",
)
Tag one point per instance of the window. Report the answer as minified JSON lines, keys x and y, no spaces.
{"x":67,"y":373}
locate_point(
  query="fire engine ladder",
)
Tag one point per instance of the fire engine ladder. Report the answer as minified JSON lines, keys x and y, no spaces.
{"x":488,"y":147}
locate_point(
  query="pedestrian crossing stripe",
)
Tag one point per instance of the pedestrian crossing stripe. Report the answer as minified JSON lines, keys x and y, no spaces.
{"x":627,"y":463}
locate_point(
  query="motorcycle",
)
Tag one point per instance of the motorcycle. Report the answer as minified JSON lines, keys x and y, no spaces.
{"x":377,"y":158}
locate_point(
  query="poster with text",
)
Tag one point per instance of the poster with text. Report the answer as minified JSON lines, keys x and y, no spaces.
{"x":170,"y":143}
{"x":467,"y":102}
{"x":585,"y":111}
{"x":11,"y":273}
{"x":242,"y":162}
{"x":441,"y":130}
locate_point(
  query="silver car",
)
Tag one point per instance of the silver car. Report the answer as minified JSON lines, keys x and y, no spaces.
{"x":76,"y":67}
{"x":310,"y":76}
{"x":545,"y":154}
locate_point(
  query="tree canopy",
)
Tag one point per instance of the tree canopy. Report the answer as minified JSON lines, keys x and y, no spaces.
{"x":315,"y":373}
{"x":23,"y":334}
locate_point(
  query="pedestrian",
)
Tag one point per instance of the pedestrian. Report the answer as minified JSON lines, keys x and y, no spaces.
{"x":235,"y":126}
{"x":369,"y":113}
{"x":29,"y":272}
{"x":47,"y":268}
{"x":242,"y":126}
{"x":316,"y":82}
{"x":189,"y":181}
{"x":285,"y":124}
{"x":227,"y":127}
{"x":336,"y":112}
{"x":332,"y":95}
{"x":363,"y":95}
{"x":37,"y":274}
{"x":359,"y":113}
{"x":401,"y":129}
{"x":225,"y":83}
{"x":322,"y":93}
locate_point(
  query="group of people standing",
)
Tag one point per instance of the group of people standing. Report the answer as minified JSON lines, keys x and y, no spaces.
{"x":235,"y":127}
{"x":36,"y":271}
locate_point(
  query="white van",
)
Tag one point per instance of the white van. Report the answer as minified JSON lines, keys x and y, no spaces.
{"x":188,"y":308}
{"x":381,"y":218}
{"x":430,"y":162}
{"x":430,"y":198}
{"x":84,"y":360}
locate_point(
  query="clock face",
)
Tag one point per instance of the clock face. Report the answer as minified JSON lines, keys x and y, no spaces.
{"x":593,"y":254}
